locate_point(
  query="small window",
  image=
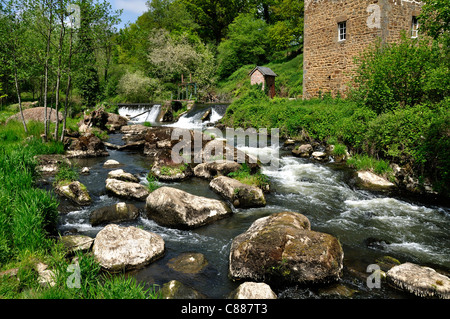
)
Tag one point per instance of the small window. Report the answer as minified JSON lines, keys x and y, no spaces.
{"x":414,"y":27}
{"x":342,"y":31}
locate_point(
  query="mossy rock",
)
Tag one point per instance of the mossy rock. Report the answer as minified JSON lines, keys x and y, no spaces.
{"x":74,"y":191}
{"x":282,"y":249}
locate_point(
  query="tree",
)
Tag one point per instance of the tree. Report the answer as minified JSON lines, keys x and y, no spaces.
{"x":435,"y":19}
{"x":174,"y":55}
{"x":247,"y":43}
{"x":94,"y":34}
{"x":214,"y":16}
{"x":12,"y":30}
{"x":401,"y":75}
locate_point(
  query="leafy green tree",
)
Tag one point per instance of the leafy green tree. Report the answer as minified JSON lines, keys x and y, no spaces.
{"x":402,"y":75}
{"x":287,"y":29}
{"x":171,"y":56}
{"x":247,"y":43}
{"x":435,"y":19}
{"x":214,"y":16}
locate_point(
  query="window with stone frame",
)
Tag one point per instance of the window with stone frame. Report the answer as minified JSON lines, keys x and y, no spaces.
{"x":414,"y":27}
{"x":342,"y":30}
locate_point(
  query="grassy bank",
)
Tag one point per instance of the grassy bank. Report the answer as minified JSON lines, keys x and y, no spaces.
{"x":28,"y":219}
{"x":416,"y":137}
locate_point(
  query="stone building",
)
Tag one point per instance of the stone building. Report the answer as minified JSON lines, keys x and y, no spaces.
{"x":336,"y":31}
{"x":265,"y":76}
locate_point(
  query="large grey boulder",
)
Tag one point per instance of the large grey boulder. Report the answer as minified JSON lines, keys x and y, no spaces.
{"x":128,"y":190}
{"x":117,"y":213}
{"x":282,"y":249}
{"x":175,"y":208}
{"x":123,"y":248}
{"x":419,"y":280}
{"x":240,"y":194}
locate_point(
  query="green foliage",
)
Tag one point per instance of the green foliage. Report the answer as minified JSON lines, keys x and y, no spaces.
{"x":152,"y":182}
{"x":435,"y":20}
{"x":244,"y":175}
{"x":364,"y":162}
{"x":416,"y":136}
{"x":66,"y":173}
{"x":27,"y":214}
{"x":402,"y":74}
{"x":136,"y":87}
{"x":247,"y":43}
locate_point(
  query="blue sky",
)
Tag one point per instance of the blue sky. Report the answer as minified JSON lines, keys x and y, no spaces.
{"x":132,"y":9}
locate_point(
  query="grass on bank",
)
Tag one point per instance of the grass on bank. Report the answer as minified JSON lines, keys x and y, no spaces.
{"x":28,"y":218}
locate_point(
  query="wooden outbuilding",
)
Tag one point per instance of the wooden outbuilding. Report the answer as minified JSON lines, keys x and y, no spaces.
{"x":265,"y":76}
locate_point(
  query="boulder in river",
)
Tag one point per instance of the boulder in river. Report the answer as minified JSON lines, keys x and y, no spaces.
{"x":177,"y":290}
{"x":127,"y":189}
{"x":119,"y":248}
{"x":171,"y":173}
{"x":419,"y":280}
{"x":114,"y":214}
{"x":220,"y":150}
{"x":282,"y":249}
{"x":217,"y":168}
{"x":253,"y":290}
{"x":188,"y":263}
{"x":121,"y":175}
{"x":87,"y":145}
{"x":75,"y":191}
{"x":175,"y":208}
{"x":370,"y":180}
{"x":304,"y":150}
{"x":240,"y":194}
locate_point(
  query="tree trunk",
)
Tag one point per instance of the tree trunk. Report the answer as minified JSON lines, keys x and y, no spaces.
{"x":46,"y":67}
{"x":16,"y":80}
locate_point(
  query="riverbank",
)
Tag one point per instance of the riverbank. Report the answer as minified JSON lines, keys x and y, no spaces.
{"x":414,"y":140}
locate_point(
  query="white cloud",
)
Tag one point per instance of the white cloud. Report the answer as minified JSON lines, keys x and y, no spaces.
{"x":134,"y":6}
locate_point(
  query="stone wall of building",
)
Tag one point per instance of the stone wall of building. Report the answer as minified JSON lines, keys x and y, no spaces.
{"x":328,"y":64}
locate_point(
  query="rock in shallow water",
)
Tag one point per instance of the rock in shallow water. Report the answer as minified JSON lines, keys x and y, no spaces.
{"x":241,"y":195}
{"x":421,"y":281}
{"x":114,"y":214}
{"x":75,"y":191}
{"x":253,"y":290}
{"x":175,"y":208}
{"x":122,"y":248}
{"x":127,"y":189}
{"x":282,"y":249}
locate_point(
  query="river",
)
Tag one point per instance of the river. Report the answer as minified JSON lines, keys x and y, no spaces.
{"x":369,"y":225}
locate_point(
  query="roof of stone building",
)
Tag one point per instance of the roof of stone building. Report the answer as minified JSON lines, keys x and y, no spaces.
{"x":264,"y":70}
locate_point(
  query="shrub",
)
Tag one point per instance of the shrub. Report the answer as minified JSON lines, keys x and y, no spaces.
{"x":136,"y":87}
{"x":401,"y":74}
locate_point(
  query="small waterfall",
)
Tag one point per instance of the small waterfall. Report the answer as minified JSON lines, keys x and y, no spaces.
{"x":141,"y":114}
{"x":193,"y":119}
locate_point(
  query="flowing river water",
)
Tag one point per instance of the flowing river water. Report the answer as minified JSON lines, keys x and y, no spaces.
{"x":369,"y":225}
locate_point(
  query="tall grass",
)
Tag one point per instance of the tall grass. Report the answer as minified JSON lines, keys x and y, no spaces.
{"x":28,"y":216}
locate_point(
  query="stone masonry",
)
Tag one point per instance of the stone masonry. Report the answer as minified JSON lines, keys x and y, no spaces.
{"x":328,"y":63}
